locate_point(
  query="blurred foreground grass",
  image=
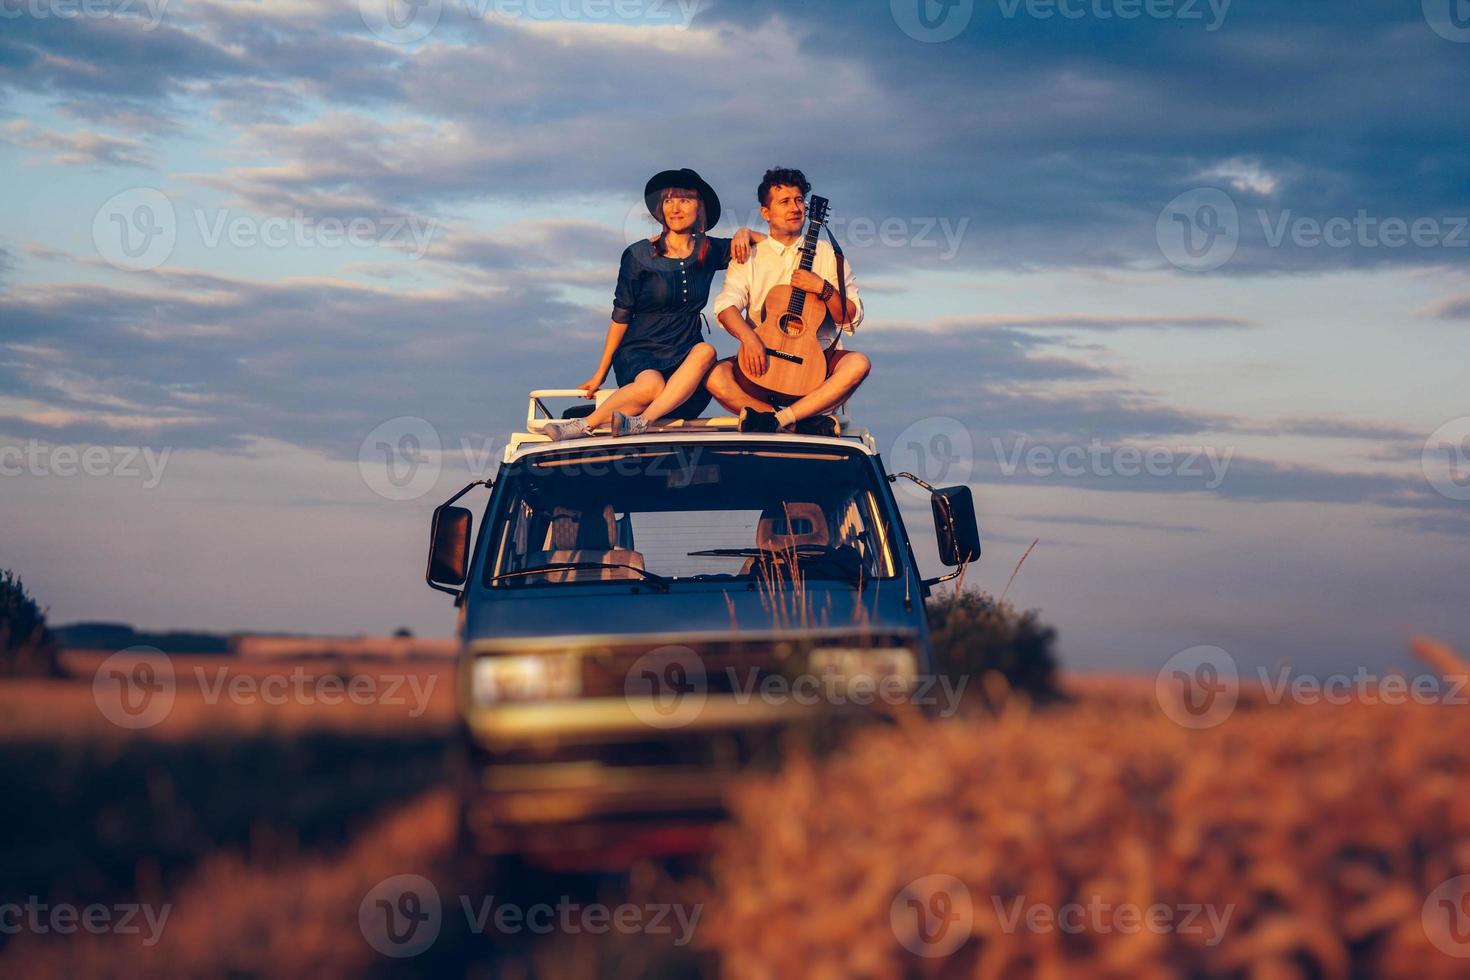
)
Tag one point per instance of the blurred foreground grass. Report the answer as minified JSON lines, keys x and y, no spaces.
{"x":1318,"y":834}
{"x":97,"y":812}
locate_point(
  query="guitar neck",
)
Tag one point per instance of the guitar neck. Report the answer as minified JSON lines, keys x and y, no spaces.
{"x":809,"y":245}
{"x":808,"y":256}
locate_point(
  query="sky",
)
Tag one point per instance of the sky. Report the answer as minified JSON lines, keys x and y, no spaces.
{"x":1179,"y":287}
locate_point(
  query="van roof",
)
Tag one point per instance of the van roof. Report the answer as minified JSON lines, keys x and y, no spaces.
{"x":720,"y":428}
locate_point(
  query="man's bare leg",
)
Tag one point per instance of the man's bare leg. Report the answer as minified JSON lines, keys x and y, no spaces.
{"x":721,"y":383}
{"x":848,"y":369}
{"x":682,"y":383}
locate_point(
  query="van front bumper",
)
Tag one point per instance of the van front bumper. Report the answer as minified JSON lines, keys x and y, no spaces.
{"x":618,"y":771}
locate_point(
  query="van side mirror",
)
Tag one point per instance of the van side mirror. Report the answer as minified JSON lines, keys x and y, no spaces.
{"x":449,"y":548}
{"x":954,"y":525}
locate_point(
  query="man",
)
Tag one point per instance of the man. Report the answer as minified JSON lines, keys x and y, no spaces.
{"x":775,"y":261}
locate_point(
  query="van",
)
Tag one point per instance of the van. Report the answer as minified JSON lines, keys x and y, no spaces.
{"x":641,"y":615}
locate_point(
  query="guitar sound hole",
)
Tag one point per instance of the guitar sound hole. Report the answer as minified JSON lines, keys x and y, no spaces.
{"x":790,"y":325}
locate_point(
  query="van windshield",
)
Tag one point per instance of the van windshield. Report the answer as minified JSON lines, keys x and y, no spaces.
{"x":691,"y":513}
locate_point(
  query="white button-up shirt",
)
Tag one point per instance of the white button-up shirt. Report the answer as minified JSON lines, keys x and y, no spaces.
{"x":771,"y":264}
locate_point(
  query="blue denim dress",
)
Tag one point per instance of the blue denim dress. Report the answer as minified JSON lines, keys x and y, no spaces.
{"x":660,"y":299}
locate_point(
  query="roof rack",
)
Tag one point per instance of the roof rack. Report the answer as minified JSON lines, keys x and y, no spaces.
{"x":538,"y":413}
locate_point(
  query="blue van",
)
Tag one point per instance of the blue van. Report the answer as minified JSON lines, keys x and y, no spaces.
{"x":639,"y":614}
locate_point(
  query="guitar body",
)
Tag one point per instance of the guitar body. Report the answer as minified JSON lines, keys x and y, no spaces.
{"x":795,"y":328}
{"x":796,"y":356}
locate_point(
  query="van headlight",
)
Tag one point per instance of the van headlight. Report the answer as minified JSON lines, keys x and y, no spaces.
{"x":537,"y":677}
{"x":874,"y":666}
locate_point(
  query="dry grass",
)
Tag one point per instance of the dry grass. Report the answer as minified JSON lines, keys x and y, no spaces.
{"x":262,"y":827}
{"x":296,"y":915}
{"x":292,"y":916}
{"x":1322,"y":829}
{"x":64,"y":707}
{"x":109,"y":812}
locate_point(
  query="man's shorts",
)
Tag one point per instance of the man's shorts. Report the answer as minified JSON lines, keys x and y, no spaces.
{"x":626,"y":367}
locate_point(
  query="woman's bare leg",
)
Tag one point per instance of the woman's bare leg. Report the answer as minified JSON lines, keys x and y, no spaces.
{"x":630,"y":399}
{"x":682,"y":383}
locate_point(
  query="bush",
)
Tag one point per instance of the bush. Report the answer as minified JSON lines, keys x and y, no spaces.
{"x":1000,"y":650}
{"x":26,"y":646}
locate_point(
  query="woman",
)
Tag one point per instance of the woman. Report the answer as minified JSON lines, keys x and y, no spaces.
{"x":653,"y":342}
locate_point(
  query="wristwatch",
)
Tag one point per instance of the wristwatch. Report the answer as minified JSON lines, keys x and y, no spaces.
{"x":827,"y":292}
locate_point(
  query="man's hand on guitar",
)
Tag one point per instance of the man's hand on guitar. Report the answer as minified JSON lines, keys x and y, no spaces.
{"x":752,"y":356}
{"x":807,"y":281}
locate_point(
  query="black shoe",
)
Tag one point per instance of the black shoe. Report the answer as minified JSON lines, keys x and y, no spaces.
{"x":754,"y":421}
{"x":817,"y":425}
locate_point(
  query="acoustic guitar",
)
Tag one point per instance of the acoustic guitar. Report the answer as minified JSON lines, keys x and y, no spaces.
{"x":794,"y":325}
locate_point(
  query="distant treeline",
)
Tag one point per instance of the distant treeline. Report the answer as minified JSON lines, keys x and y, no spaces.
{"x":119,"y":636}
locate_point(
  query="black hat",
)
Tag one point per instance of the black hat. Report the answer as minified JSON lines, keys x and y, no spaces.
{"x":682,"y":178}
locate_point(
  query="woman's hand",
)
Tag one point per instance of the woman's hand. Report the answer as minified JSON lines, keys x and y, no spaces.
{"x":590,"y":386}
{"x":742,"y":242}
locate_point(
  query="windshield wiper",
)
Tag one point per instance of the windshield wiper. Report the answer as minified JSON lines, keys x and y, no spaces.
{"x":826,"y":558}
{"x":657,"y":581}
{"x":817,"y":549}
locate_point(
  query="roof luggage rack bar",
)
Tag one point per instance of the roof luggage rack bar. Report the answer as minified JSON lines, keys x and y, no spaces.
{"x":535,"y":421}
{"x":538,"y":414}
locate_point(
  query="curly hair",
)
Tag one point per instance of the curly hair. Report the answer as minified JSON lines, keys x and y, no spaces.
{"x":781,"y":177}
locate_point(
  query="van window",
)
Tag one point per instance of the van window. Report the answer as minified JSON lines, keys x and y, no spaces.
{"x":691,"y":513}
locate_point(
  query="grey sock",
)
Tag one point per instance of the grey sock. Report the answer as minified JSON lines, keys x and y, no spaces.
{"x":565,"y":429}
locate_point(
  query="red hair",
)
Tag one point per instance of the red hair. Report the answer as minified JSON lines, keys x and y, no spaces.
{"x":701,"y":241}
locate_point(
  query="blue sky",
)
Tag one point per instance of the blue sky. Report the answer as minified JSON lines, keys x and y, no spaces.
{"x":1014,"y":184}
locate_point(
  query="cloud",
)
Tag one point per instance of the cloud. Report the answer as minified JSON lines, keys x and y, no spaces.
{"x":1451,"y":524}
{"x":548,"y":245}
{"x":215,"y":361}
{"x":1078,"y":322}
{"x":1247,"y":176}
{"x":210,"y":362}
{"x":1085,"y":130}
{"x":77,"y":148}
{"x":1457,"y":308}
{"x":1110,"y":522}
{"x":46,"y":253}
{"x":1329,"y":428}
{"x":1005,"y":382}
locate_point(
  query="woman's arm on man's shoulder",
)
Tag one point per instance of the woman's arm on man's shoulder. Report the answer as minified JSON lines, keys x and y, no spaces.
{"x":743,"y":243}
